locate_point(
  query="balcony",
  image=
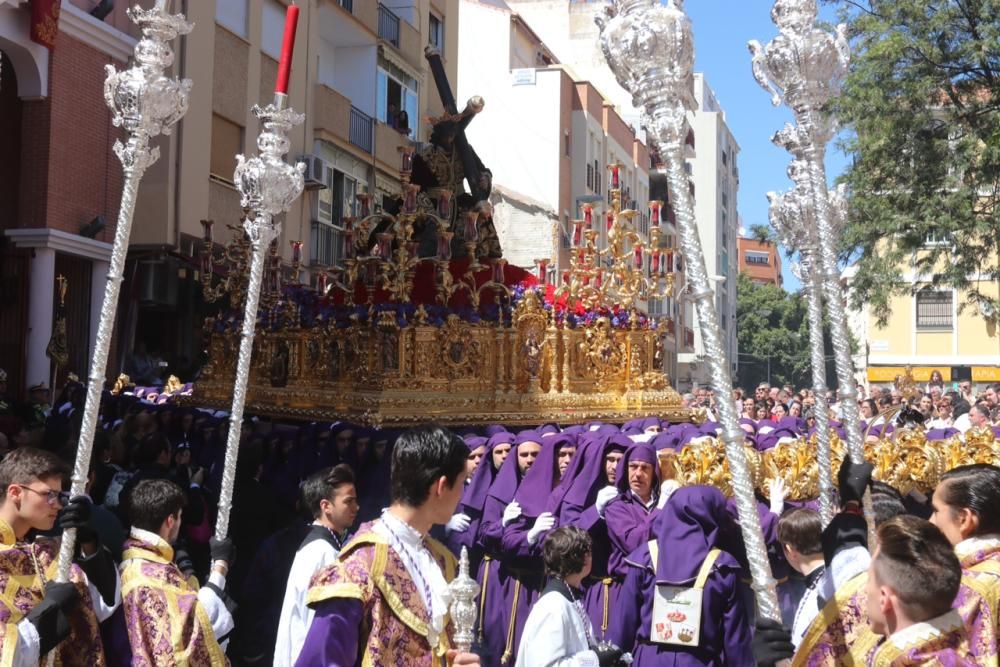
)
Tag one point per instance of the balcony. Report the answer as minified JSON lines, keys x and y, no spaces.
{"x":347,"y":5}
{"x":387,"y":143}
{"x":402,"y":35}
{"x":388,"y":25}
{"x":325,"y":245}
{"x":360,"y":132}
{"x":332,"y":112}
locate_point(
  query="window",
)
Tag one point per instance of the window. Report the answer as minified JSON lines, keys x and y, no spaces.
{"x":227,"y":141}
{"x":590,"y":176}
{"x":597,"y":177}
{"x":566,"y":143}
{"x":272,"y":28}
{"x":934,"y":309}
{"x":395,"y":92}
{"x":232,"y":15}
{"x":725,"y":158}
{"x":725,"y":200}
{"x":937,"y":239}
{"x":435,"y":33}
{"x":345,"y":204}
{"x":760,"y":258}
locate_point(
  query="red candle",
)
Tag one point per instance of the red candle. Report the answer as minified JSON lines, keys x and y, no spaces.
{"x":611,"y":220}
{"x":287,"y":47}
{"x":670,"y":261}
{"x":638,"y":257}
{"x":577,"y":231}
{"x":656,"y":262}
{"x":615,"y":183}
{"x":598,"y":279}
{"x":654,"y":213}
{"x":588,"y":213}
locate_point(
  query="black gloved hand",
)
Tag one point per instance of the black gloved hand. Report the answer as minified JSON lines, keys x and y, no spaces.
{"x":845,"y":530}
{"x":184,"y":562}
{"x":853,"y":479}
{"x":222,"y":550}
{"x":772,"y":643}
{"x":51,"y":616}
{"x":608,"y":655}
{"x":76,"y":514}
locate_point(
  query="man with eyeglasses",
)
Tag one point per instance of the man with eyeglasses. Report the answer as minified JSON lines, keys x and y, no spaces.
{"x":39,"y":614}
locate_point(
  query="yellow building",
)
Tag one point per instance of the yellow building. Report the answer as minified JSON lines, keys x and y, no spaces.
{"x":931,"y":330}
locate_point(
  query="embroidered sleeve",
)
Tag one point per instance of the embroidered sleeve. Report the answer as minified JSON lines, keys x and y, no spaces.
{"x":349,"y":577}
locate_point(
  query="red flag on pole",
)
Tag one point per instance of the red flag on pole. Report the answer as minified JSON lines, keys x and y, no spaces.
{"x":45,"y":22}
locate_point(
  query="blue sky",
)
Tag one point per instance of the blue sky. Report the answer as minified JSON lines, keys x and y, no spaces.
{"x":722,"y":29}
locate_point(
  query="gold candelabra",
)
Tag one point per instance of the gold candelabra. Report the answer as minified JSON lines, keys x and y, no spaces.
{"x":631,"y":267}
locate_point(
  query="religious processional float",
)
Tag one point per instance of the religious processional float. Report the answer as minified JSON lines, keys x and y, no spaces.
{"x":424,"y":320}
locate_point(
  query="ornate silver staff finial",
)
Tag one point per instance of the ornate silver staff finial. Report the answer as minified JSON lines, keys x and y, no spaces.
{"x":268,"y":185}
{"x":805,"y":67}
{"x":463,"y":591}
{"x":650,"y":48}
{"x":146,"y":103}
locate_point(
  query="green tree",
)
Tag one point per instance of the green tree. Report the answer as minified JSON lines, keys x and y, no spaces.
{"x":921,"y":106}
{"x":772,"y":330}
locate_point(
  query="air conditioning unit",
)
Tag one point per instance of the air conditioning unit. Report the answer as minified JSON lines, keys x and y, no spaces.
{"x":317,"y":172}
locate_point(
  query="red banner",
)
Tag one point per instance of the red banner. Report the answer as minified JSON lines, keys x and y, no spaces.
{"x":45,"y":22}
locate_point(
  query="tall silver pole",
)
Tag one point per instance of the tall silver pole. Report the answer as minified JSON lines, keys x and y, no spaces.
{"x":791,"y":214}
{"x":146,"y":104}
{"x":268,"y":185}
{"x":805,"y":67}
{"x":650,"y":48}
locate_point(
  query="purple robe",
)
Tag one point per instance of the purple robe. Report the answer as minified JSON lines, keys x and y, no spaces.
{"x":522,"y":561}
{"x":573,"y":504}
{"x":629,"y":522}
{"x":473,"y":501}
{"x":496,"y":581}
{"x":725,"y":629}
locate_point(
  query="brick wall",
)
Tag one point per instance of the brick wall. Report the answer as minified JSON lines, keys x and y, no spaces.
{"x":70,"y":173}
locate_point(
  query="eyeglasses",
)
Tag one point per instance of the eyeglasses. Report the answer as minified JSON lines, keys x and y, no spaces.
{"x":51,"y":495}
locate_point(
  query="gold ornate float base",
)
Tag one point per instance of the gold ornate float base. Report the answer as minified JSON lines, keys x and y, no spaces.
{"x":384,"y":373}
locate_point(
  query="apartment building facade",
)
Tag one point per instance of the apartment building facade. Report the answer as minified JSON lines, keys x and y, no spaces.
{"x":930,"y":328}
{"x":59,"y":182}
{"x":359,"y":74}
{"x":760,"y":260}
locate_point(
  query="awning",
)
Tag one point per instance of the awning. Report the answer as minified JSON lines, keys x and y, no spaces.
{"x":920,"y":373}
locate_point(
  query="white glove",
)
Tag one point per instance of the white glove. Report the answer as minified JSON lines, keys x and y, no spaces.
{"x":777,"y":492}
{"x":510,"y":513}
{"x":666,"y":490}
{"x":544,"y":522}
{"x":605,"y":496}
{"x":459,"y":524}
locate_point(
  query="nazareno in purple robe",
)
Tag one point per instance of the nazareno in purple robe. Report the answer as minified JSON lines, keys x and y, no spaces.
{"x":573,"y":504}
{"x":474,"y":499}
{"x":521,"y":560}
{"x":629,"y":522}
{"x":497,"y":594}
{"x":686,"y":530}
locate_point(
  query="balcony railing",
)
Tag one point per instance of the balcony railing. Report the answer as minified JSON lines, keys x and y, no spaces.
{"x":388,"y":25}
{"x":361,"y":130}
{"x":326,"y":246}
